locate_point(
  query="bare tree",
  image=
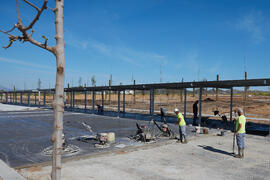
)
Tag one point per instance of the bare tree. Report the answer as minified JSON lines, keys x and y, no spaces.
{"x":39,"y":84}
{"x":93,"y":80}
{"x":80,"y":82}
{"x":58,"y":51}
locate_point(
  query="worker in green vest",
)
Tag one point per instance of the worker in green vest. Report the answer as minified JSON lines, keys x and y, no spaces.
{"x":240,"y":132}
{"x":182,"y":126}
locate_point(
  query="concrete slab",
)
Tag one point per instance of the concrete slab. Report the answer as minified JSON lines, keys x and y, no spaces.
{"x":24,"y":135}
{"x":205,"y":157}
{"x":7,"y":173}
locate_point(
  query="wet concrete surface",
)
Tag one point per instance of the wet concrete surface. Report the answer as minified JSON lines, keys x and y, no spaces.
{"x":24,"y":135}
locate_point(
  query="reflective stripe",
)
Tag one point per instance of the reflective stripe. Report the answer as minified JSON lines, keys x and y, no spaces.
{"x":182,"y":122}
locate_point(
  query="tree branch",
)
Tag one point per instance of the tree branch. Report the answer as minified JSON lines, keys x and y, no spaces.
{"x":18,"y":14}
{"x":25,"y":36}
{"x":31,"y":4}
{"x":9,"y":30}
{"x":44,"y":6}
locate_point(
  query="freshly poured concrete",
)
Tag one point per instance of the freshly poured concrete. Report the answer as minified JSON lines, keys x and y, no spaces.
{"x":205,"y":157}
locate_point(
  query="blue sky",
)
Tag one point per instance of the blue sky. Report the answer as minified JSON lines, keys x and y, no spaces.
{"x":138,"y":38}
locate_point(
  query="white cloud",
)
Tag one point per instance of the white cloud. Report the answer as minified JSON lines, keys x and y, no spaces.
{"x":253,"y":24}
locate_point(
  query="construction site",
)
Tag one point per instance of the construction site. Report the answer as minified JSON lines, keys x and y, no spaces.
{"x":166,"y":90}
{"x":121,"y":128}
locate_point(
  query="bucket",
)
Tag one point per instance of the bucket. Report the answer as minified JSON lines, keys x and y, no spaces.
{"x":111,"y":137}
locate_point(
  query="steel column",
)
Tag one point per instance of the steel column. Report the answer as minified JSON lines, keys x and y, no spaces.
{"x":35,"y":98}
{"x":152,"y":102}
{"x":28,"y":95}
{"x":39,"y":99}
{"x":185,"y":103}
{"x":16,"y":97}
{"x":124,"y":101}
{"x":93,"y":101}
{"x":6,"y":97}
{"x":85,"y":100}
{"x":200,"y":107}
{"x":102,"y":94}
{"x":71,"y":99}
{"x":44,"y":98}
{"x":231,"y":104}
{"x":118,"y":103}
{"x":21,"y":98}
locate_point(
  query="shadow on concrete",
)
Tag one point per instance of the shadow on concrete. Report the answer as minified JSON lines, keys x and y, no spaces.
{"x":210,"y":148}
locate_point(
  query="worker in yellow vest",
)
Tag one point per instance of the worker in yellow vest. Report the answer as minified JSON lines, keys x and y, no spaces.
{"x":182,"y":126}
{"x":240,"y":132}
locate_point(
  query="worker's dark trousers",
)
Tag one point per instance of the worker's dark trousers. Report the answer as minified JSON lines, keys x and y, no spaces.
{"x":182,"y":132}
{"x":195,"y":117}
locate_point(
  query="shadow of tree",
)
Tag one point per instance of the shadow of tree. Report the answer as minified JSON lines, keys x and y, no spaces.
{"x":210,"y":148}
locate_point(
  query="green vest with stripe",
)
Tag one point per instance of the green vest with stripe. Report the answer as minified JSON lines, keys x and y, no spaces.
{"x":182,"y":122}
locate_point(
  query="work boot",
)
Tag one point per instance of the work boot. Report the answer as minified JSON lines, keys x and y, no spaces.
{"x":185,"y":140}
{"x":242,"y":152}
{"x":239,"y":154}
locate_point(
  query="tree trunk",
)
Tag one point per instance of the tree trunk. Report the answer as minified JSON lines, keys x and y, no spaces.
{"x":58,"y":103}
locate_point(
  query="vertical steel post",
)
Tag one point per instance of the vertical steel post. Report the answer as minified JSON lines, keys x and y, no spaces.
{"x":28,"y":94}
{"x":35,"y":98}
{"x":185,"y":103}
{"x":200,"y":107}
{"x":118,"y":104}
{"x":124,"y":101}
{"x":21,"y":99}
{"x":85,"y":99}
{"x":102,"y":96}
{"x":15,"y":97}
{"x":152,"y":102}
{"x":38,"y":98}
{"x":73,"y":99}
{"x":6,"y":97}
{"x":231,"y":104}
{"x":93,"y":101}
{"x":44,"y":98}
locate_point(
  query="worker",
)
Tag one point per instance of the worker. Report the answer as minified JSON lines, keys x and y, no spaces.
{"x":195,"y":112}
{"x":240,"y":132}
{"x":182,"y":126}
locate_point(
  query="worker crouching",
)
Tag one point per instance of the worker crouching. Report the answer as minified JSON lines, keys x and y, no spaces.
{"x":182,"y":126}
{"x":240,"y":133}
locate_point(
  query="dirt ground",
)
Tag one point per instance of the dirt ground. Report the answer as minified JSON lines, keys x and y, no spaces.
{"x":204,"y":157}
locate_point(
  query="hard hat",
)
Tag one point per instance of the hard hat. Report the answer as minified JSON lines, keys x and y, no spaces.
{"x":176,"y":110}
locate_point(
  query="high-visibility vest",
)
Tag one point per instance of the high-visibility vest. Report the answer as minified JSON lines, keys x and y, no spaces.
{"x":182,"y":122}
{"x":241,"y":120}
